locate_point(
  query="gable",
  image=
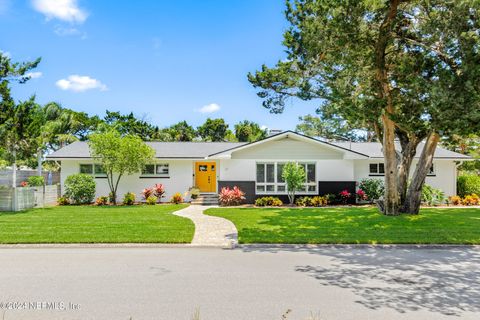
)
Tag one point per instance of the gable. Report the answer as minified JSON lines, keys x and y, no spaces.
{"x":288,"y":148}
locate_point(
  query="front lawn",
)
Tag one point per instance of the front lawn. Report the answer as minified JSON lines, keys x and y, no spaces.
{"x":89,"y":224}
{"x":352,"y":225}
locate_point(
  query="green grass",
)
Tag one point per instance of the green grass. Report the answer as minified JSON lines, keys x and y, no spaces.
{"x":352,"y":225}
{"x":90,"y":224}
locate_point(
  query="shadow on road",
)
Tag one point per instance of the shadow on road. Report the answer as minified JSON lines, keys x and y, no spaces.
{"x":445,"y":281}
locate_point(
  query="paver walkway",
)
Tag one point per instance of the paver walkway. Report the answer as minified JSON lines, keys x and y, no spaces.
{"x":210,"y":231}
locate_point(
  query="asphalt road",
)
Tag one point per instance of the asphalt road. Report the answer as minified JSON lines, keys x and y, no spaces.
{"x":172,"y":283}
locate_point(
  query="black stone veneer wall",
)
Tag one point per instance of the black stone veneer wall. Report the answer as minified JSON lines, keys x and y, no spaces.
{"x":324,"y":187}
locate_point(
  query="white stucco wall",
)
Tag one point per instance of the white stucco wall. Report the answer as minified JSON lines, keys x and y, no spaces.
{"x":181,"y":179}
{"x":444,"y":178}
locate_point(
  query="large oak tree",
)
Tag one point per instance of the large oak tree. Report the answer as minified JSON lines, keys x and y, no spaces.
{"x":408,"y":69}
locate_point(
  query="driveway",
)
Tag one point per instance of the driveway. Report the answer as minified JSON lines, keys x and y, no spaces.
{"x":244,"y":283}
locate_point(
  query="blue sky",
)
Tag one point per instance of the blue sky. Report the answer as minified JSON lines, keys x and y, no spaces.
{"x":164,"y":60}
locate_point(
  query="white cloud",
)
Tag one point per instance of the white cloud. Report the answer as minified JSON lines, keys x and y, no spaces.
{"x":34,"y":75}
{"x":78,"y":83}
{"x":264,"y":127}
{"x":65,"y":10}
{"x":209,"y":108}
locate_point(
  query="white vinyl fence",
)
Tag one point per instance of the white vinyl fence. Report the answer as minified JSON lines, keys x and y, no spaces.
{"x":18,"y":199}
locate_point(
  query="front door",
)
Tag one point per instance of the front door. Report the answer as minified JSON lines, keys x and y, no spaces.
{"x":206,"y":176}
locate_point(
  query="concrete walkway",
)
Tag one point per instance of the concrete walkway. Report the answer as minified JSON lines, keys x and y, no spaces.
{"x":210,"y":231}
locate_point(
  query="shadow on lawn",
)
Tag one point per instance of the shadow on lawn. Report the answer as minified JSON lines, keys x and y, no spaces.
{"x":445,"y":281}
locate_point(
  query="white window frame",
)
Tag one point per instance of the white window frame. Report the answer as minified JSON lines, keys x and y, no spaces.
{"x":276,"y":184}
{"x":155,"y":173}
{"x":95,"y":175}
{"x":378,"y":173}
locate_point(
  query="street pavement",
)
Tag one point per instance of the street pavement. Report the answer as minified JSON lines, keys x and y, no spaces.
{"x":244,"y":283}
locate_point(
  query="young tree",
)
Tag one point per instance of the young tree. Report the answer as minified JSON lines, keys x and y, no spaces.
{"x":249,"y":131}
{"x":294,"y":176}
{"x":213,"y":130}
{"x":119,"y":156}
{"x":408,"y":69}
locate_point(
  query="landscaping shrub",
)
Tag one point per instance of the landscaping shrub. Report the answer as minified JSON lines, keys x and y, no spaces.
{"x":151,"y":200}
{"x":373,"y":188}
{"x":101,"y":201}
{"x":471,"y":200}
{"x":345,"y":195}
{"x":177,"y":198}
{"x":468,"y":184}
{"x":36,"y":181}
{"x":80,"y":188}
{"x":268,"y":202}
{"x":455,"y":200}
{"x":319,"y":201}
{"x":432,"y":196}
{"x":158,"y":191}
{"x":361,"y":195}
{"x":63,"y":201}
{"x":194,"y":192}
{"x":315,"y":201}
{"x":24,"y":184}
{"x":231,"y":197}
{"x":147,"y":192}
{"x":129,"y":198}
{"x":331,"y":198}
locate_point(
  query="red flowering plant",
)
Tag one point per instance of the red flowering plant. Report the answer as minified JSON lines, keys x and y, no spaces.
{"x":24,"y":184}
{"x":345,"y":196}
{"x":231,"y":197}
{"x":158,"y":191}
{"x":361,"y":195}
{"x":147,"y":192}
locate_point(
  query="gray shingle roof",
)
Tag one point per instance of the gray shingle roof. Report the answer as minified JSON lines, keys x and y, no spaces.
{"x":199,"y":150}
{"x":374,"y":150}
{"x":162,"y":149}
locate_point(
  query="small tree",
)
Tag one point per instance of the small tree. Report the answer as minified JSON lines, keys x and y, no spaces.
{"x":294,"y":176}
{"x":119,"y":156}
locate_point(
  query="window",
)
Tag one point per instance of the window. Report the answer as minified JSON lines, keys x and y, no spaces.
{"x":377,"y":169}
{"x":162,"y":169}
{"x":86,"y":168}
{"x":96,"y":170}
{"x":156,"y":170}
{"x":270,"y":180}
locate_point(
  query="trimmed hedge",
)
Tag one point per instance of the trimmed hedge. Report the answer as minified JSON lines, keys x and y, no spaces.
{"x":468,"y":184}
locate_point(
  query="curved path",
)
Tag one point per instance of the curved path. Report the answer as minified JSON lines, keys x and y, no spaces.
{"x":210,"y":231}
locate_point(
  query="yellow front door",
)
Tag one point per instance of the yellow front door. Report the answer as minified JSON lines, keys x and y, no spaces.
{"x":206,"y":176}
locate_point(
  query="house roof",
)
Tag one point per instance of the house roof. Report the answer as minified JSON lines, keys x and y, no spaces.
{"x":374,"y":150}
{"x":287,"y":134}
{"x":168,"y":150}
{"x":201,"y":150}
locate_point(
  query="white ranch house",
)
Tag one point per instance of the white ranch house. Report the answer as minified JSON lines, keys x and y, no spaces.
{"x":255,"y":167}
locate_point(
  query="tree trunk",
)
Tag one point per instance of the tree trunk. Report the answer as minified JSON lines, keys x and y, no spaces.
{"x":409,"y":149}
{"x":391,"y":199}
{"x":14,"y":169}
{"x":391,"y":202}
{"x":414,"y":193}
{"x":39,"y":162}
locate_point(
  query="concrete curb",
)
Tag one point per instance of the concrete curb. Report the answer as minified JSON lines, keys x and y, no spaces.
{"x":239,"y":246}
{"x":105,"y":245}
{"x":355,"y":246}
